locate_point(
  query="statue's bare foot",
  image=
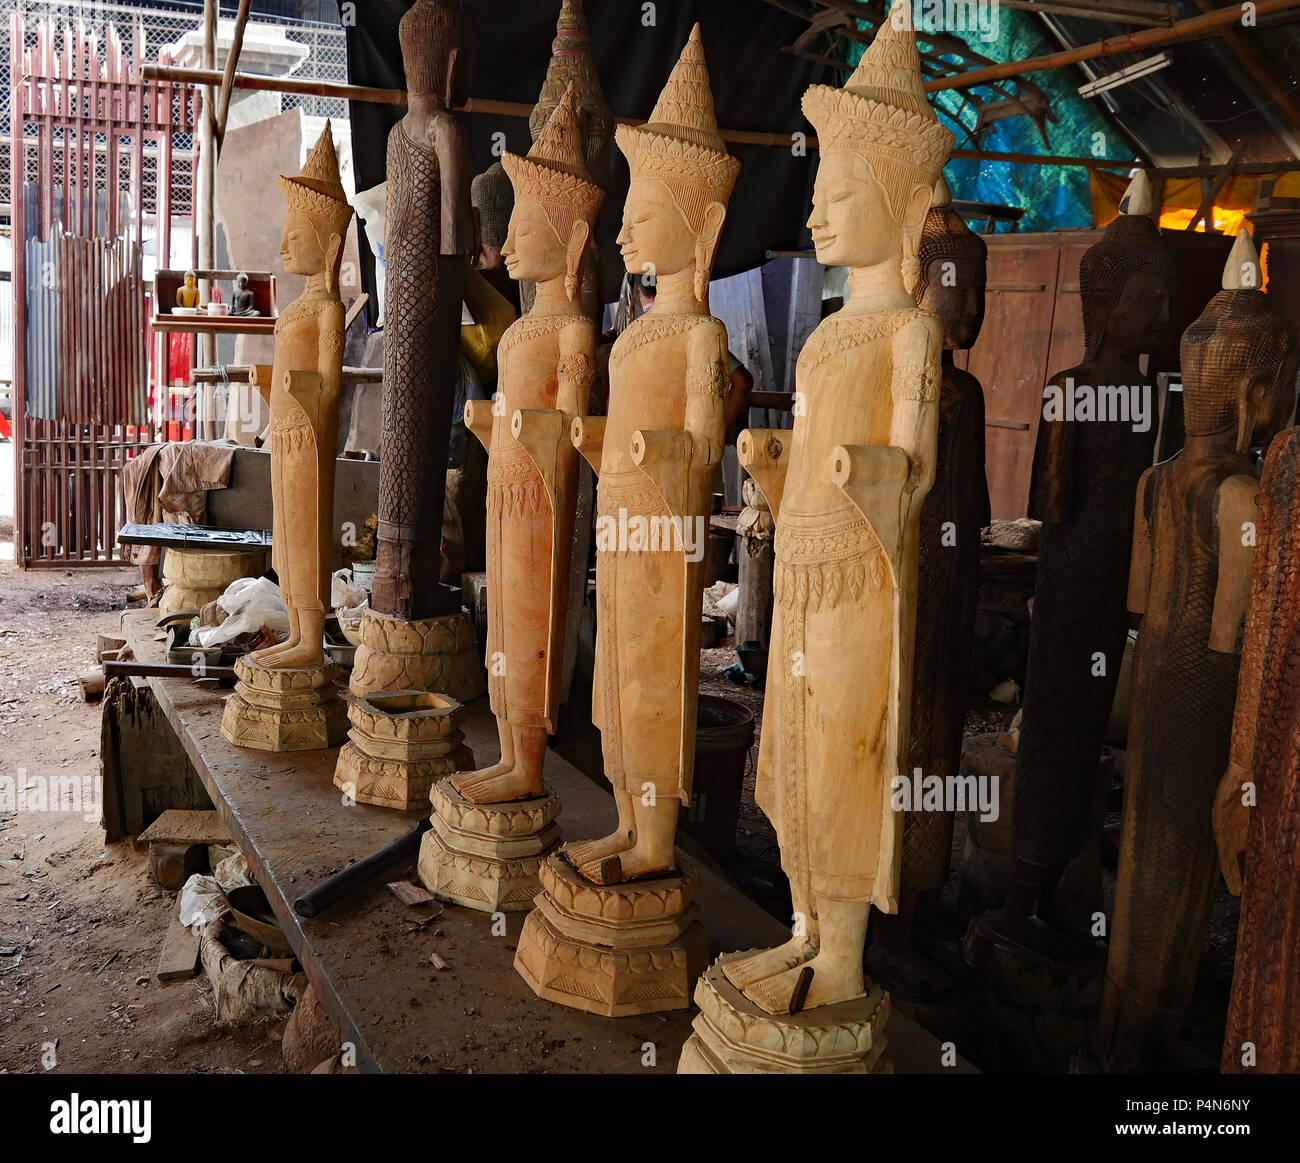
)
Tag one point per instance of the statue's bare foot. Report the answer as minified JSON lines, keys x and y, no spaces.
{"x":832,"y":982}
{"x":584,"y":852}
{"x":744,"y":971}
{"x":300,"y":654}
{"x":268,"y":654}
{"x":498,"y":784}
{"x":633,"y":863}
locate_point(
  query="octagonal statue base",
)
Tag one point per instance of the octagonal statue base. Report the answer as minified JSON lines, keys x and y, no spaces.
{"x":486,"y":856}
{"x":731,"y":1035}
{"x":613,"y":949}
{"x":294,"y":709}
{"x":401,"y":744}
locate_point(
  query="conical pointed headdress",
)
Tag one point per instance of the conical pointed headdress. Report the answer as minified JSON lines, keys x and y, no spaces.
{"x":572,"y":64}
{"x":317,"y":191}
{"x":680,"y":143}
{"x":553,"y":173}
{"x":1131,"y":243}
{"x":1238,"y":336}
{"x":882,"y":112}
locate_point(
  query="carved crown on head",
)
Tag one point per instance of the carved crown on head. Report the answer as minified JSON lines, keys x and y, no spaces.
{"x":680,"y":143}
{"x":316,"y":191}
{"x":882,"y":109}
{"x":553,"y":173}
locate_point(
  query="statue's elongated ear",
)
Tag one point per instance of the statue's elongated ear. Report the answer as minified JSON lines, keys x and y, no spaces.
{"x":706,"y":247}
{"x":333,"y":251}
{"x":575,"y":258}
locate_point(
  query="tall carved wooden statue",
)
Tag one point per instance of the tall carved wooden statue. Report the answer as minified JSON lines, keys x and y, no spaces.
{"x":847,"y":487}
{"x":1193,"y":543}
{"x":1092,"y":448}
{"x":1257,"y":810}
{"x":286,"y":698}
{"x":953,"y":274}
{"x":614,"y":930}
{"x":414,"y":636}
{"x":547,"y":364}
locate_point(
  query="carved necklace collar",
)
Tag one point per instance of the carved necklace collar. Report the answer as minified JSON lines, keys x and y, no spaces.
{"x":845,"y":329}
{"x":651,"y":327}
{"x":529,"y":327}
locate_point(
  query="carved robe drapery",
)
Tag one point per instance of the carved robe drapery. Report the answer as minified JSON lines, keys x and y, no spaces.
{"x":527,"y":577}
{"x":648,"y":600}
{"x":302,"y":450}
{"x":837,"y":622}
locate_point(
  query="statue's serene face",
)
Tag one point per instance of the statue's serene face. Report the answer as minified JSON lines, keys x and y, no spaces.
{"x":656,"y":239}
{"x":955,"y":293}
{"x":1139,"y":318}
{"x":301,"y":252}
{"x":533,"y":251}
{"x":851,"y":223}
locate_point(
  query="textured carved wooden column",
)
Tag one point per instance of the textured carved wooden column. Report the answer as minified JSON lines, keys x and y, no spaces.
{"x":614,"y":930}
{"x":1193,"y":548}
{"x":953,"y":275}
{"x":1086,"y":468}
{"x":413,"y":637}
{"x":847,"y":487}
{"x":287,"y":698}
{"x":1263,"y":1033}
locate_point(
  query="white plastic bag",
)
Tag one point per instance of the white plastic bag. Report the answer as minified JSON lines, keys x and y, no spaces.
{"x":202,"y":902}
{"x":345,"y":591}
{"x":250,"y":603}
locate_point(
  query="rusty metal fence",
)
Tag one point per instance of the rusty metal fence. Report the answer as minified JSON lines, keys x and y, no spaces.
{"x":84,"y":124}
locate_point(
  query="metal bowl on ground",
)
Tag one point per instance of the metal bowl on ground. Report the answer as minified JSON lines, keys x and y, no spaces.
{"x":252,"y":915}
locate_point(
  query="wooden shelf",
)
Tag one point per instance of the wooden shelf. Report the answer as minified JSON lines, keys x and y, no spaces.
{"x":216,"y":325}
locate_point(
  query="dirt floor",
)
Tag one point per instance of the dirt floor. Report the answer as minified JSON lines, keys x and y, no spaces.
{"x":82,"y":922}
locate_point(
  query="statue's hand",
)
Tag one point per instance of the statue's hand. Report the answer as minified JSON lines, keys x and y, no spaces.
{"x":1231,"y":821}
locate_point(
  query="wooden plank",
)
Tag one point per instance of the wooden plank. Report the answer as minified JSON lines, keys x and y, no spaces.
{"x":374,"y":975}
{"x":179,"y":959}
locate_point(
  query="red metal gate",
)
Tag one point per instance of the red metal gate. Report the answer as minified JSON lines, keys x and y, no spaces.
{"x":85,"y":130}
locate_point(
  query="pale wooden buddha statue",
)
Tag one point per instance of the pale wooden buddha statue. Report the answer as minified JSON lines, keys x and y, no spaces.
{"x":655,"y":454}
{"x":847,"y":497}
{"x":545,"y":370}
{"x":951,"y":285}
{"x":1193,"y":546}
{"x":303,"y":395}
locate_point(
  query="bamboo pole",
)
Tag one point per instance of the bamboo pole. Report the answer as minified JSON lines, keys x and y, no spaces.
{"x":228,"y":74}
{"x":1129,"y":42}
{"x":206,"y":217}
{"x":518,"y":109}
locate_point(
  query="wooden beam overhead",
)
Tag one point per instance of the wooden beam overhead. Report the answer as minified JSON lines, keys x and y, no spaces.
{"x":1210,"y":22}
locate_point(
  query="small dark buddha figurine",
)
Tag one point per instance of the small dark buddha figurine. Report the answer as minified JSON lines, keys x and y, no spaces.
{"x":954,"y":264}
{"x":1193,"y":544}
{"x":1092,"y":447}
{"x":242,"y":301}
{"x":430,"y":239}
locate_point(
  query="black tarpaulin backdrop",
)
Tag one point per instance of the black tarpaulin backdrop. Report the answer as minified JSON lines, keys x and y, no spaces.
{"x":755,"y":86}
